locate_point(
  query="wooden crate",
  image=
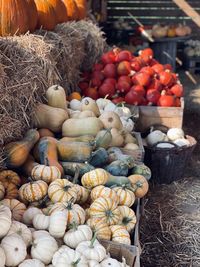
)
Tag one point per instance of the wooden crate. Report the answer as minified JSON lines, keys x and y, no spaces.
{"x":138,"y":154}
{"x":168,"y":116}
{"x":117,"y":251}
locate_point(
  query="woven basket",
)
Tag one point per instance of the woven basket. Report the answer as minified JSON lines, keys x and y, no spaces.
{"x":168,"y":164}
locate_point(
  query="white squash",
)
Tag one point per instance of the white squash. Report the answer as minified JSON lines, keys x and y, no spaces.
{"x":110,"y":107}
{"x":102,"y":103}
{"x":56,"y":97}
{"x":5,"y":220}
{"x":2,"y":257}
{"x":128,"y":124}
{"x":182,"y":142}
{"x":67,"y":257}
{"x":29,"y":215}
{"x":155,"y":137}
{"x":77,"y":234}
{"x":175,"y":133}
{"x":41,"y":221}
{"x":58,"y":223}
{"x":43,"y":248}
{"x":22,"y":230}
{"x":32,"y":263}
{"x":123,"y":112}
{"x":109,"y":262}
{"x":15,"y":249}
{"x":88,"y":103}
{"x":111,"y":120}
{"x":131,"y":146}
{"x":92,"y":250}
{"x":75,"y":104}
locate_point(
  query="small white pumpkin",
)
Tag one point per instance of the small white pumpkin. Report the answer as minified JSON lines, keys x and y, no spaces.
{"x":87,"y":103}
{"x":75,"y":104}
{"x":155,"y":137}
{"x":45,"y":173}
{"x":22,"y":230}
{"x":32,"y":263}
{"x":182,"y":142}
{"x":5,"y":220}
{"x":92,"y":250}
{"x":40,"y":233}
{"x":175,"y":133}
{"x":15,"y":249}
{"x":77,"y":234}
{"x":67,"y":257}
{"x":102,"y":103}
{"x":128,"y":124}
{"x":29,"y":215}
{"x":41,"y":221}
{"x":109,"y":262}
{"x":2,"y":257}
{"x":58,"y":223}
{"x":110,"y":107}
{"x":123,"y":112}
{"x":93,"y":263}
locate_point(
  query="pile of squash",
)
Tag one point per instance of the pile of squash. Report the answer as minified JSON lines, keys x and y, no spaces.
{"x":64,"y":181}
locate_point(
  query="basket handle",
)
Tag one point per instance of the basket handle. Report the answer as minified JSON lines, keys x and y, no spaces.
{"x":154,"y":147}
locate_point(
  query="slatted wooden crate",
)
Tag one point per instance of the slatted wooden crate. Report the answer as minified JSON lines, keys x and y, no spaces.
{"x":192,"y":64}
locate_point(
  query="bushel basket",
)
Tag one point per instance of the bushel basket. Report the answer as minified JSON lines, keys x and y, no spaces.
{"x":168,"y":164}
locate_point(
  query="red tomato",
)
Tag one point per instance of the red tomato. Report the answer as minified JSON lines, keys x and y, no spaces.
{"x":106,"y":89}
{"x":118,"y":100}
{"x":146,"y":52}
{"x":166,"y":78}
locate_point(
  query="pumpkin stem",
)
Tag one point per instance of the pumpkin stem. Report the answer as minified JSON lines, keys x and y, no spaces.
{"x":93,"y":240}
{"x":69,"y":204}
{"x":56,"y":87}
{"x":73,"y":226}
{"x":126,"y":220}
{"x":75,"y":263}
{"x":30,"y":179}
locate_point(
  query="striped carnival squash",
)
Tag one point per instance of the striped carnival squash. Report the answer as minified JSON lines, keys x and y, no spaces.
{"x":95,"y":177}
{"x":14,"y":17}
{"x":82,"y":194}
{"x":62,"y":190}
{"x":100,"y":227}
{"x":120,"y":234}
{"x":128,"y":218}
{"x":103,"y":191}
{"x":105,"y":208}
{"x":126,"y":196}
{"x":75,"y":213}
{"x":17,"y":208}
{"x":33,"y":191}
{"x":45,"y":173}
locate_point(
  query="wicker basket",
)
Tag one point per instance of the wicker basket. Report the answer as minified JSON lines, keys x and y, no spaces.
{"x":168,"y":164}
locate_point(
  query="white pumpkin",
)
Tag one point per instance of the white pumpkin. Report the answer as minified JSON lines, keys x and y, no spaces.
{"x":93,"y":263}
{"x":182,"y":142}
{"x":29,"y":214}
{"x":15,"y":249}
{"x":102,"y":102}
{"x":155,"y":137}
{"x":110,"y":107}
{"x":123,"y":112}
{"x":32,"y":263}
{"x":41,"y":221}
{"x":43,"y":248}
{"x":109,"y":262}
{"x":22,"y":230}
{"x":128,"y":124}
{"x":175,"y":133}
{"x":75,"y":104}
{"x":92,"y":250}
{"x":67,"y":257}
{"x":58,"y":223}
{"x":40,"y":233}
{"x":2,"y":257}
{"x":5,"y":220}
{"x":78,"y":234}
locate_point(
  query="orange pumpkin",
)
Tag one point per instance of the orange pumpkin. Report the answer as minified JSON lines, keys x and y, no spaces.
{"x":11,"y":191}
{"x":74,"y":95}
{"x":45,"y":132}
{"x":60,"y":10}
{"x":32,"y":14}
{"x":9,"y":177}
{"x":72,"y":9}
{"x":14,"y":17}
{"x":17,"y":208}
{"x":46,"y":14}
{"x":81,"y":8}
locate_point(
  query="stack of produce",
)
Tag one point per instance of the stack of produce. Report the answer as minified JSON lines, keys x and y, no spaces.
{"x":27,"y":15}
{"x":68,"y":188}
{"x":136,"y":80}
{"x":180,"y":30}
{"x":192,"y":48}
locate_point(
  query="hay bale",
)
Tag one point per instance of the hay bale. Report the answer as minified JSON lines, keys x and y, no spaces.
{"x":29,"y":64}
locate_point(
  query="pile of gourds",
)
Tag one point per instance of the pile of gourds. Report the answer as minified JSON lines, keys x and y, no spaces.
{"x":74,"y":180}
{"x":20,"y":16}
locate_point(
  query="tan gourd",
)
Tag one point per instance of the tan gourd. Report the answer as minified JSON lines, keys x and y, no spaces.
{"x":117,"y":138}
{"x":49,"y":117}
{"x":111,"y":120}
{"x":83,"y":114}
{"x":88,"y":103}
{"x":85,"y":126}
{"x":56,"y":97}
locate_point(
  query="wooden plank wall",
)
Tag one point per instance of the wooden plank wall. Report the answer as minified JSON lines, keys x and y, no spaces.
{"x":151,"y":12}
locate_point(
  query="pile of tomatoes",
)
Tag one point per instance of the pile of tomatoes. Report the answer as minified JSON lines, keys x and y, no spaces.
{"x":136,"y":80}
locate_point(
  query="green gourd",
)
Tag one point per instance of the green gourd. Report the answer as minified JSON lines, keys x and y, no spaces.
{"x":118,"y":168}
{"x":141,"y":169}
{"x":103,"y":138}
{"x":115,"y":153}
{"x":70,"y":168}
{"x":117,"y":181}
{"x":99,"y":157}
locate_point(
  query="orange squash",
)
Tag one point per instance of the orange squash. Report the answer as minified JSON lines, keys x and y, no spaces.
{"x":17,"y":152}
{"x":74,"y":95}
{"x":32,"y":14}
{"x":45,"y":132}
{"x":72,"y":9}
{"x":60,"y":10}
{"x":46,"y":14}
{"x":29,"y":165}
{"x":14,"y":17}
{"x":81,"y":8}
{"x":11,"y":191}
{"x":47,"y":149}
{"x":9,"y":177}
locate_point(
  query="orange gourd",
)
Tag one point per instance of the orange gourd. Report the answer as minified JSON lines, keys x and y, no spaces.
{"x":11,"y":191}
{"x":17,"y":152}
{"x":14,"y":17}
{"x":9,"y":177}
{"x":72,"y":9}
{"x":32,"y":14}
{"x":74,"y":95}
{"x":81,"y":8}
{"x":60,"y":10}
{"x":45,"y":132}
{"x":46,"y":14}
{"x":16,"y":207}
{"x":29,"y":165}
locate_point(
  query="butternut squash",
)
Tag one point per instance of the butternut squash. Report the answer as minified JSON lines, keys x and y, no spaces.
{"x":17,"y":152}
{"x":74,"y":151}
{"x":83,"y":114}
{"x":29,"y":165}
{"x":47,"y":148}
{"x":88,"y":103}
{"x":85,"y":126}
{"x":45,"y":132}
{"x":49,"y":117}
{"x":82,"y":138}
{"x":110,"y":120}
{"x":56,"y":97}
